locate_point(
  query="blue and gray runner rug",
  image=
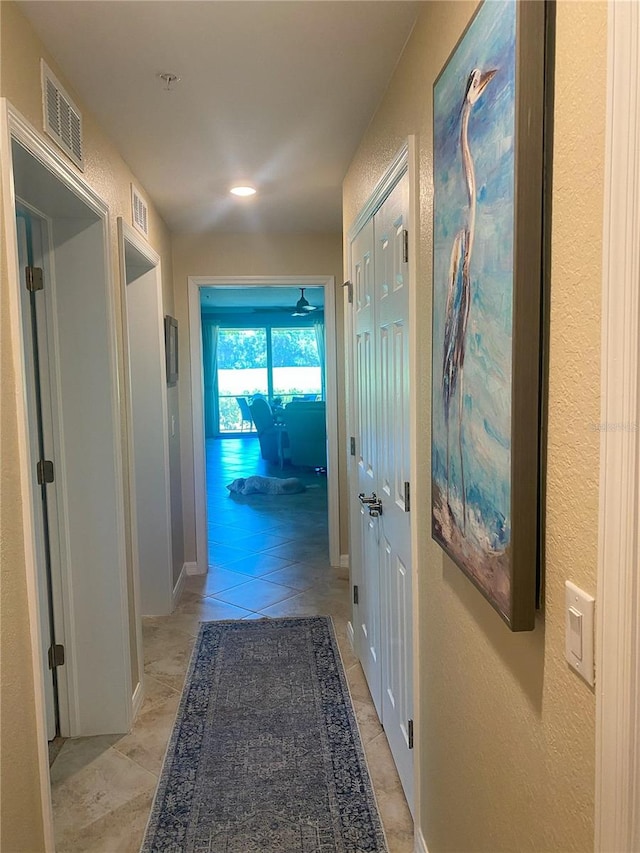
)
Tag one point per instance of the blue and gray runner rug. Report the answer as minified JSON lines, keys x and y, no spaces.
{"x":265,"y":756}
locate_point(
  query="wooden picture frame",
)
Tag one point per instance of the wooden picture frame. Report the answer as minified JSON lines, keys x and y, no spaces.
{"x":171,"y":349}
{"x":488,"y":314}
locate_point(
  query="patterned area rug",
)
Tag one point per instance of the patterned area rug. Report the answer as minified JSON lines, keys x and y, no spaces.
{"x":265,"y":755}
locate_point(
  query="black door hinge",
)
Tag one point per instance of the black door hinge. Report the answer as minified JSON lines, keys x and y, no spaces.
{"x":407,"y":497}
{"x":349,"y":287}
{"x":44,"y":471}
{"x":410,"y":733}
{"x":352,"y":446}
{"x":56,"y":656}
{"x":34,"y":279}
{"x":355,"y":594}
{"x":405,"y":246}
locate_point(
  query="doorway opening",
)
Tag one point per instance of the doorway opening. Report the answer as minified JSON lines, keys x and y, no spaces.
{"x":69,"y":432}
{"x":71,"y":448}
{"x":243,"y":331}
{"x":148,"y":427}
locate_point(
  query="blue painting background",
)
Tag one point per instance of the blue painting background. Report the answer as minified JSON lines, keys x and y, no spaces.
{"x":488,"y":44}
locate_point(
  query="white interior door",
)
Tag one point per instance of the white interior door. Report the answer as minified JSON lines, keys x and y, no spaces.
{"x":365,"y":528}
{"x":381,"y":550}
{"x":394,"y":532}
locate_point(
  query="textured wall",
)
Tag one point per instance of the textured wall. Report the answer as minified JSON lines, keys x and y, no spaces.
{"x":109,"y":176}
{"x":506,"y":743}
{"x":245,"y":255}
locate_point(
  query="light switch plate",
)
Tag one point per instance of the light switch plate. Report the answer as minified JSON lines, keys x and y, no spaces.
{"x":579,"y":640}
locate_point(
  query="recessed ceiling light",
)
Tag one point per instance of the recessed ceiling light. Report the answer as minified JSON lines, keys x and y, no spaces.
{"x":243,"y":191}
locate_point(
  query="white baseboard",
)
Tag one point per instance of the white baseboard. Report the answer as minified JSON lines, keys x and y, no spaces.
{"x":136,"y":700}
{"x":177,"y":590}
{"x":420,"y":845}
{"x":193,"y":569}
{"x":351,"y":636}
{"x":344,"y":561}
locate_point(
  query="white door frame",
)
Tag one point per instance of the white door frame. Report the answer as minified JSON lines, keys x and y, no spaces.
{"x":327,"y":282}
{"x":127,"y":234}
{"x":167,"y":593}
{"x":405,"y":159}
{"x":618,"y":595}
{"x":13,"y":126}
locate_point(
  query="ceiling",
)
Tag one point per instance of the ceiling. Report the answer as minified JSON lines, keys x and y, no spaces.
{"x":274,"y":93}
{"x":248,"y":299}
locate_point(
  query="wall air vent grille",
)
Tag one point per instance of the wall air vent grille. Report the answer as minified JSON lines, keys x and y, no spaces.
{"x":140,"y":211}
{"x":62,"y":119}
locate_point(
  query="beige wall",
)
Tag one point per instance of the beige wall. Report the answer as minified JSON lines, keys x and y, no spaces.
{"x":506,"y":743}
{"x":109,"y":176}
{"x":250,"y":255}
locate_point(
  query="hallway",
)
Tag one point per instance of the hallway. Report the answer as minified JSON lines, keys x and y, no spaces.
{"x":268,"y":556}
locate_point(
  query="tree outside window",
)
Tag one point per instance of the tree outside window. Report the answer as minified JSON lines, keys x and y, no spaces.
{"x":277,"y":363}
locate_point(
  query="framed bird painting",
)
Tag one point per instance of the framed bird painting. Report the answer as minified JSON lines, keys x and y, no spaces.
{"x":488,"y":240}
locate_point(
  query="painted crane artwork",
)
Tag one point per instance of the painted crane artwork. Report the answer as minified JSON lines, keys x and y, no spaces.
{"x":474,"y":191}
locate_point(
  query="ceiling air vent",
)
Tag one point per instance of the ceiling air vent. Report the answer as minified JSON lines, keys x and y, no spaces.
{"x":140,"y":211}
{"x":62,"y":119}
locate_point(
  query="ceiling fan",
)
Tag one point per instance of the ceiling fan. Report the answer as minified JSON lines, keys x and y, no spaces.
{"x":302,"y":306}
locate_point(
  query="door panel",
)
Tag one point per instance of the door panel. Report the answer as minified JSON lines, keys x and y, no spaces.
{"x":369,"y":611}
{"x":381,"y":344}
{"x":367,"y":621}
{"x":392,"y":310}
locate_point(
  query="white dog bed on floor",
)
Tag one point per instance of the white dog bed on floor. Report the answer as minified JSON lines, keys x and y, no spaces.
{"x":257,"y":485}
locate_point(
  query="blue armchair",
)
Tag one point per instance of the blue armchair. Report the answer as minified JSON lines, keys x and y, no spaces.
{"x":272,"y":442}
{"x":307,"y":430}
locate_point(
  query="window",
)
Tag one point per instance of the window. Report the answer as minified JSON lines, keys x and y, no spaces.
{"x":279,"y":363}
{"x":242,"y":372}
{"x":295,"y":363}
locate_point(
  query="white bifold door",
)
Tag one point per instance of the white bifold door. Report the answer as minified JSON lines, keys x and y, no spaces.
{"x":379,"y":475}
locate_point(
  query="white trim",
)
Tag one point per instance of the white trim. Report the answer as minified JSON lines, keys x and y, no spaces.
{"x":195,"y":346}
{"x":136,"y":700}
{"x":127,"y":233}
{"x":617,"y":824}
{"x":420,"y":845}
{"x":192,"y":569}
{"x":344,"y":561}
{"x":351,"y":635}
{"x":179,"y":587}
{"x":10,"y":240}
{"x":415,"y":436}
{"x":380,"y":192}
{"x":197,"y":431}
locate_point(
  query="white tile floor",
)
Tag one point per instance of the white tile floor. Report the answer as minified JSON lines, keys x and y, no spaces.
{"x":260,"y":565}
